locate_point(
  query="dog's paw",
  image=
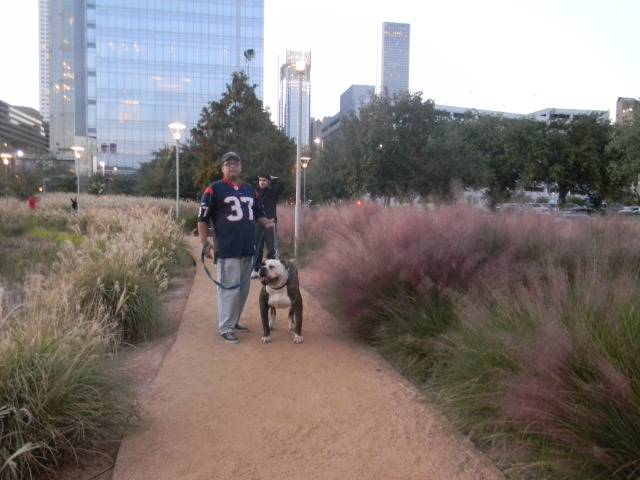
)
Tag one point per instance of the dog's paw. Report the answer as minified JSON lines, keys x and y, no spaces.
{"x":297,"y":338}
{"x":266,"y":339}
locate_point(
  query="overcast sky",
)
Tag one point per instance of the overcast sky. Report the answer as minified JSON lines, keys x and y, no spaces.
{"x":511,"y":55}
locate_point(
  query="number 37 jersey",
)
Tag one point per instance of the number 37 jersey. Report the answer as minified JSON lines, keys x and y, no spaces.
{"x":233,"y":209}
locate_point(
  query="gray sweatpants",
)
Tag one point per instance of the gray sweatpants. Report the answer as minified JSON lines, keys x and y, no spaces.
{"x":231,"y":302}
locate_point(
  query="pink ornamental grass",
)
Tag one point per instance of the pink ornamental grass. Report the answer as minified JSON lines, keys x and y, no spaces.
{"x":373,"y":250}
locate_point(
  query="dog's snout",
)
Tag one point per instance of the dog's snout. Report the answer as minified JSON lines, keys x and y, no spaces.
{"x":262,"y":271}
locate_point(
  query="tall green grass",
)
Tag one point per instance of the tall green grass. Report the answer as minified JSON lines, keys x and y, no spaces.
{"x":407,"y":329}
{"x":129,"y":299}
{"x":104,"y":269}
{"x":57,"y":396}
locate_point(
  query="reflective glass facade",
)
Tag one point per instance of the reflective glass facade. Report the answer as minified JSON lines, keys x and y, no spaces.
{"x":354,"y":98}
{"x":148,"y":63}
{"x":65,"y":47}
{"x":395,"y":57}
{"x":295,"y":87}
{"x":162,"y":61}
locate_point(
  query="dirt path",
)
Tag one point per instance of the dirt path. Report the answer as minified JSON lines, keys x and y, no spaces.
{"x":328,"y":409}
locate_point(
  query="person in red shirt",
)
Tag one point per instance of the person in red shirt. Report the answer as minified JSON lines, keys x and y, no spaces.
{"x":32,"y":201}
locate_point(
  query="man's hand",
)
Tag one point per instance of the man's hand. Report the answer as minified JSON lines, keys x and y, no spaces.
{"x":265,"y":222}
{"x":208,"y":252}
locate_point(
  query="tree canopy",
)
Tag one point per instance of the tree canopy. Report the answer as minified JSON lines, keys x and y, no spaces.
{"x":239,"y":122}
{"x":403,"y":146}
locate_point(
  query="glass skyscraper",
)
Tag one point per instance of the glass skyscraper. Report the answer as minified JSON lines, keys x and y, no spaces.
{"x":294,"y":88}
{"x":354,"y":97}
{"x":138,"y":65}
{"x":395,"y":57}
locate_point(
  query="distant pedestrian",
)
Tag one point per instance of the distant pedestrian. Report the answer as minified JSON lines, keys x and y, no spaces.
{"x":269,"y":189}
{"x":32,"y":201}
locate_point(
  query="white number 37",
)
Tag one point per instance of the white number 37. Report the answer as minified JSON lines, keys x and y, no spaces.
{"x":236,"y":208}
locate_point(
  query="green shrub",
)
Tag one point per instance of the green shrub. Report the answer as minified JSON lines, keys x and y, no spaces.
{"x":57,"y":398}
{"x":129,"y":298}
{"x":406,"y":332}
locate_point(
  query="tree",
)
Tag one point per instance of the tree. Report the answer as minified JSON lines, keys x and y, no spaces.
{"x":624,"y":149}
{"x":382,"y":151}
{"x":239,"y":122}
{"x":574,"y":156}
{"x":336,"y":173}
{"x":452,"y":158}
{"x":157,"y":178}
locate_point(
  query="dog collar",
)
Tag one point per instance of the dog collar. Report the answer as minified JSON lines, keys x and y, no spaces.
{"x":280,"y":288}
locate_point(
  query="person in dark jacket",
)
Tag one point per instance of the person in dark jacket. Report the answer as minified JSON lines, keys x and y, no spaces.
{"x":269,"y":190}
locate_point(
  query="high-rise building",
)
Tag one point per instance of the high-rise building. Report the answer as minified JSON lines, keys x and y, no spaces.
{"x":395,"y":57}
{"x":624,"y":110}
{"x":295,"y":88}
{"x":44,"y":59}
{"x":354,"y":98}
{"x":22,"y":128}
{"x":121,"y":71}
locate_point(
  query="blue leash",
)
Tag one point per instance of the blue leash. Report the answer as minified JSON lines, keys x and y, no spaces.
{"x":206,"y":270}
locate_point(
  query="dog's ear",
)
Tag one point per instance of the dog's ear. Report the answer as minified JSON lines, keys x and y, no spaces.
{"x":290,"y":267}
{"x":293,"y":284}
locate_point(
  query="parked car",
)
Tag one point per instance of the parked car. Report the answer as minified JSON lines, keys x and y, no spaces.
{"x":629,"y":210}
{"x":542,"y":208}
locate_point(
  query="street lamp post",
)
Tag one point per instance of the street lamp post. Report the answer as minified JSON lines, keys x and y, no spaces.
{"x":305,"y":163}
{"x":5,"y":160}
{"x":301,"y":67}
{"x":176,"y":131}
{"x":77,"y":153}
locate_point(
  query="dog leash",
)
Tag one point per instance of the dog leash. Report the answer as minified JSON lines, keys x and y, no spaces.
{"x":275,"y":240}
{"x":206,"y":270}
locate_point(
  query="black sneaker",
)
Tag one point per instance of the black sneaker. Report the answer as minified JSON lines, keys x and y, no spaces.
{"x":241,"y":328}
{"x":229,"y":337}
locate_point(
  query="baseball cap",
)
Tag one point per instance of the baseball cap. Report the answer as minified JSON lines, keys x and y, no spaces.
{"x":230,"y":156}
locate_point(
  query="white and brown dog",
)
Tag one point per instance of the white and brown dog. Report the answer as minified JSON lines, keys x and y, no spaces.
{"x":280,"y":290}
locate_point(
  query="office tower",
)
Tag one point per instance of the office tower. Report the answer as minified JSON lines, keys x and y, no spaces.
{"x":22,"y":128}
{"x":624,"y":110}
{"x":43,"y":33}
{"x":295,"y":87}
{"x":121,"y":71}
{"x":354,"y":98}
{"x":395,"y":57}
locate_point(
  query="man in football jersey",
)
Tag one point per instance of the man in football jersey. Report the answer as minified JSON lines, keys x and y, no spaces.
{"x":234,"y":208}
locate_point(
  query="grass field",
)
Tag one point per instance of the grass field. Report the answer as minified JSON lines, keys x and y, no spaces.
{"x":75,"y":288}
